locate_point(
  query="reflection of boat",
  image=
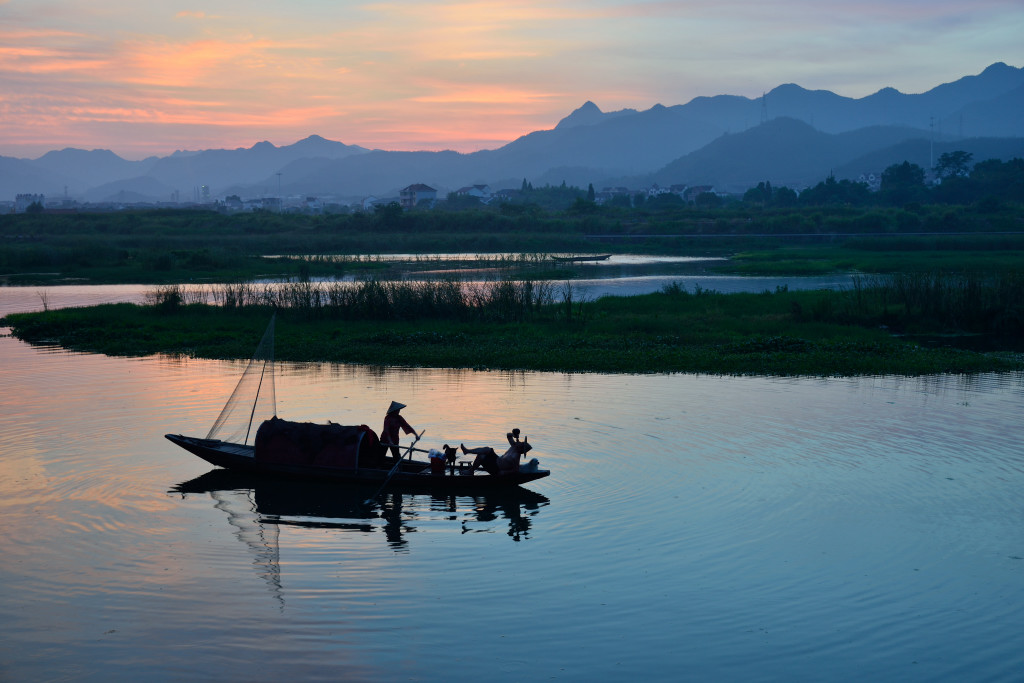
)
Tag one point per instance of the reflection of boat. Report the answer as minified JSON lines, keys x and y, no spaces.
{"x":268,"y":503}
{"x":570,"y":259}
{"x":329,"y":453}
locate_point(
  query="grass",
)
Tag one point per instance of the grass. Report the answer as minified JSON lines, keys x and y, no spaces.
{"x":780,"y":333}
{"x":864,"y":257}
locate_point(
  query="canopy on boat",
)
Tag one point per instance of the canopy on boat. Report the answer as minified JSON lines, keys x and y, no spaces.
{"x":306,"y":443}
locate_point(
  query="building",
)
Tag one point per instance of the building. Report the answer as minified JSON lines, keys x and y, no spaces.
{"x":481,"y":192}
{"x":411,"y":196}
{"x":23,"y":201}
{"x":691,"y":193}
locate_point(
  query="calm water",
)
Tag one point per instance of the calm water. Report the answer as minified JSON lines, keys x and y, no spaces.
{"x":694,"y":528}
{"x":21,"y":299}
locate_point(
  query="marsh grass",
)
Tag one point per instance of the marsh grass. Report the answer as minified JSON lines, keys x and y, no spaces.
{"x":518,"y":325}
{"x":447,"y":299}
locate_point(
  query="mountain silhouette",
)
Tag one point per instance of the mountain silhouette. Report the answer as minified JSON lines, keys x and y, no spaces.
{"x":789,"y":135}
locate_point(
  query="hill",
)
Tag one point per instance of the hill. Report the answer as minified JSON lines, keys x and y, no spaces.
{"x":790,"y":135}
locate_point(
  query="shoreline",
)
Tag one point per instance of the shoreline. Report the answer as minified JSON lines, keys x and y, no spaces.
{"x":637,"y":337}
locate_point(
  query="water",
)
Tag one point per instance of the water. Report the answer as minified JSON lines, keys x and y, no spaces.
{"x":693,"y":528}
{"x":24,"y":299}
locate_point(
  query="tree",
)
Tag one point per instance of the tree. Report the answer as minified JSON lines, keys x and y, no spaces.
{"x":462,"y":201}
{"x":708,"y":200}
{"x":389,"y":215}
{"x":1001,"y":179}
{"x":590,"y":192}
{"x":762,"y":194}
{"x":582,"y":206}
{"x":784,"y":197}
{"x":665,"y":200}
{"x":953,"y":164}
{"x":620,"y":200}
{"x":830,"y":191}
{"x":903,"y":183}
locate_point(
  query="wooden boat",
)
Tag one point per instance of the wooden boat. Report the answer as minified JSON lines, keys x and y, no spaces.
{"x":412,"y":475}
{"x":334,"y":453}
{"x":570,"y":259}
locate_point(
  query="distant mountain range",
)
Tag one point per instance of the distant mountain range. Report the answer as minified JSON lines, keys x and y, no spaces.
{"x":790,"y":136}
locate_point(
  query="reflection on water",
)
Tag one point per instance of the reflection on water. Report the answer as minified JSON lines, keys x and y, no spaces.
{"x":590,"y":282}
{"x":710,"y":528}
{"x":328,"y":506}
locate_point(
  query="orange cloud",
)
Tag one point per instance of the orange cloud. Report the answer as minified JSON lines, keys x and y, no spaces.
{"x":182,"y":65}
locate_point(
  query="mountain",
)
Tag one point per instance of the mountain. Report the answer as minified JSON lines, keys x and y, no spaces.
{"x":21,"y":176}
{"x":922,"y":151}
{"x":785,"y":151}
{"x":588,"y":115}
{"x":789,"y":152}
{"x":220,"y":168}
{"x":790,"y":134}
{"x":143,"y":189}
{"x":589,"y":145}
{"x":98,"y":165}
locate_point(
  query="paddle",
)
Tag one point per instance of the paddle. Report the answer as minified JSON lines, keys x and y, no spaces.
{"x":398,"y":464}
{"x":410,"y":448}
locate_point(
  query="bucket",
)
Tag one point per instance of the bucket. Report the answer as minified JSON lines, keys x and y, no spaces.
{"x":436,"y":462}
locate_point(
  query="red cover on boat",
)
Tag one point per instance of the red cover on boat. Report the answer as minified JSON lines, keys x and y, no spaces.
{"x":306,"y":443}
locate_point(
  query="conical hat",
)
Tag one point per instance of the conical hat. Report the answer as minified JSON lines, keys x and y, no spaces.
{"x":395,"y":406}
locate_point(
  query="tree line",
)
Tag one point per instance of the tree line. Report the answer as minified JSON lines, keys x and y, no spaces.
{"x":954,"y":181}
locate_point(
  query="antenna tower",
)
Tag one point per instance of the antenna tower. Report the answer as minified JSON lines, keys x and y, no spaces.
{"x":931,"y":146}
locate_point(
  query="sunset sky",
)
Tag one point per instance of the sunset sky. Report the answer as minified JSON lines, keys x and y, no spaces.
{"x":144,"y":78}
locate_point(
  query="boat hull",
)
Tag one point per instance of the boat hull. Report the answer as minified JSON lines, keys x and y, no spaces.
{"x":572,"y":259}
{"x":413,"y":475}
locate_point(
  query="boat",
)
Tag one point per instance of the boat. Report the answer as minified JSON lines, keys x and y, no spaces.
{"x":326,"y":453}
{"x":412,"y":475}
{"x":570,"y":259}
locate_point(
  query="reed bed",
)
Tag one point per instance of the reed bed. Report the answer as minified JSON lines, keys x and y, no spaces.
{"x":448,"y":299}
{"x":953,"y":302}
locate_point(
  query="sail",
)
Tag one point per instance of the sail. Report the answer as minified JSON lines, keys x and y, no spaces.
{"x":253,"y":399}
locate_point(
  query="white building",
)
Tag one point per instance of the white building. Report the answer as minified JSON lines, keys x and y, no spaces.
{"x":23,"y":201}
{"x":411,"y":196}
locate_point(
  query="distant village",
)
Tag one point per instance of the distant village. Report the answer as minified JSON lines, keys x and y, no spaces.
{"x":415,"y":196}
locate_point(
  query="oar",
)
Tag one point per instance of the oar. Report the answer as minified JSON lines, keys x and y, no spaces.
{"x":398,"y":464}
{"x":418,"y":450}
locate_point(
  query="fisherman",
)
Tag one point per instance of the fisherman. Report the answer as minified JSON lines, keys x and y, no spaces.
{"x":389,"y":437}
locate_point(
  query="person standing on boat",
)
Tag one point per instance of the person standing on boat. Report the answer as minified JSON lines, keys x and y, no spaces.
{"x":393,"y":421}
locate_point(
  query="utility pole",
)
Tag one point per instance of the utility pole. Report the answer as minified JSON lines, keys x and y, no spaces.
{"x":278,"y":174}
{"x":931,"y":146}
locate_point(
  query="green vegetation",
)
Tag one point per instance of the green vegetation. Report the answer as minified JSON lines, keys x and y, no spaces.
{"x":163,"y":247}
{"x":519,"y":325}
{"x":974,"y":211}
{"x":938,"y":262}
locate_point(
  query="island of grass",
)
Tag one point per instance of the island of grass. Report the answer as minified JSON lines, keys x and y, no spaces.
{"x":899,"y":325}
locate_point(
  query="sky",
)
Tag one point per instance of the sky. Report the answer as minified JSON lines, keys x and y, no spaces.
{"x":152,"y":77}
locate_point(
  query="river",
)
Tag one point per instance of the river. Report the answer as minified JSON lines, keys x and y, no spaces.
{"x":693,"y":528}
